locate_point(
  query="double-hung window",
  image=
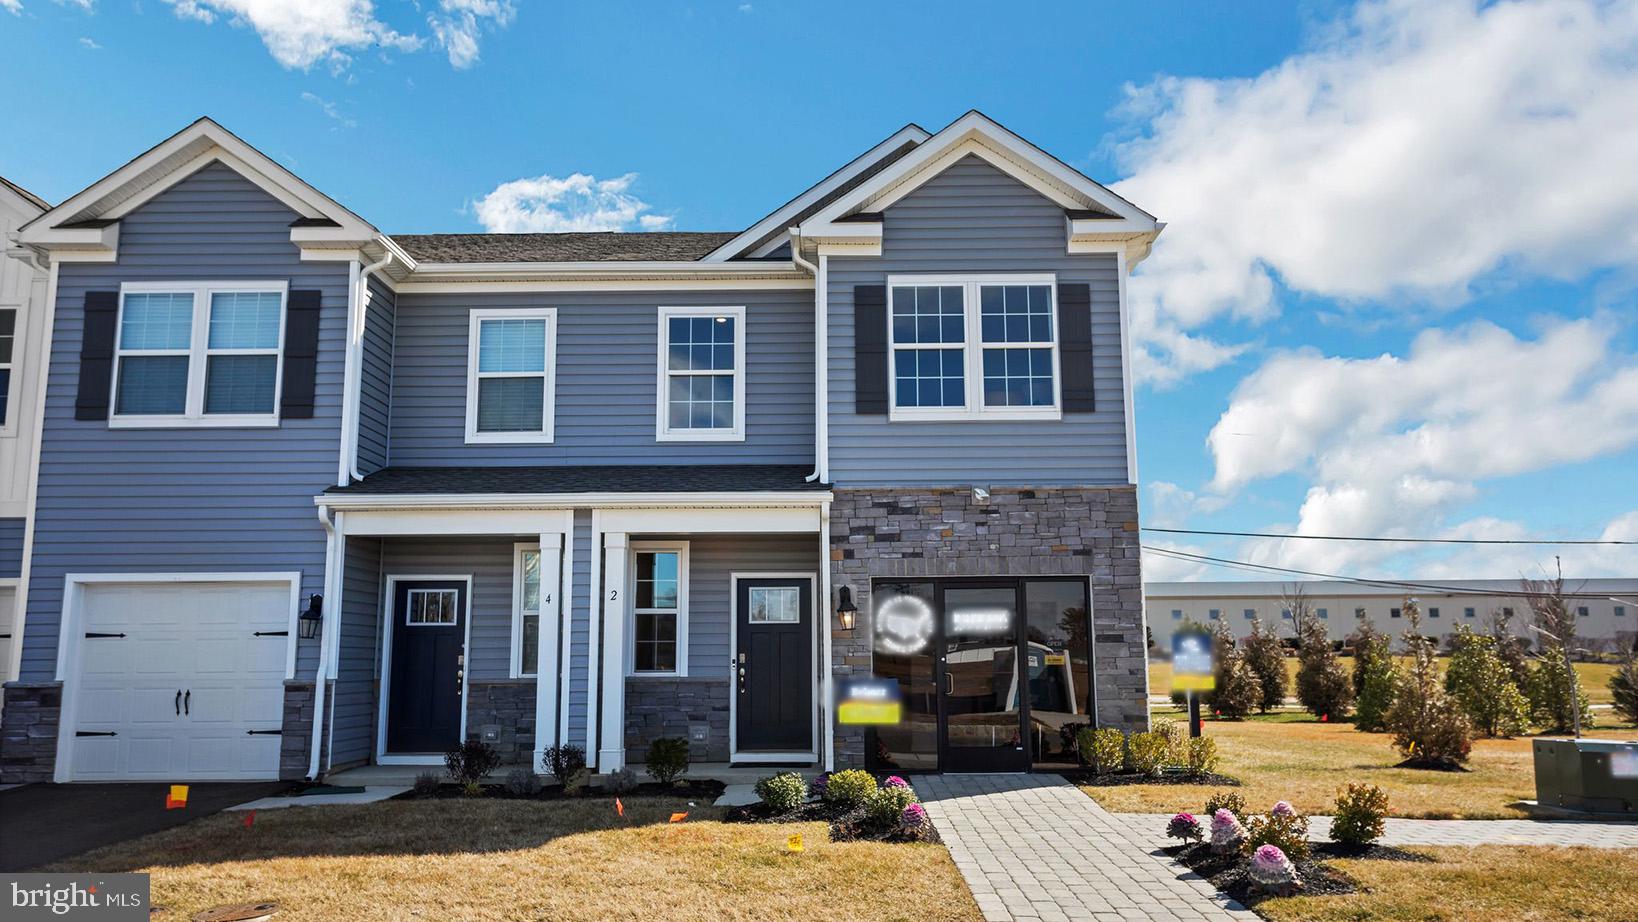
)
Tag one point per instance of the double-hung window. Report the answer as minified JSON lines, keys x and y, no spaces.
{"x":8,"y":345}
{"x":659,"y":608}
{"x":511,"y":375}
{"x":702,"y":374}
{"x":526,"y":626}
{"x":973,"y":347}
{"x":199,"y":354}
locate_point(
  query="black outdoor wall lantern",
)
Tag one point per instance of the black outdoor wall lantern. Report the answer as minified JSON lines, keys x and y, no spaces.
{"x":846,"y":612}
{"x":307,"y":625}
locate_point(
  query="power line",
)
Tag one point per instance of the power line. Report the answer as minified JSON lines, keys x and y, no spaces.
{"x":1231,"y":564}
{"x":1264,"y":534}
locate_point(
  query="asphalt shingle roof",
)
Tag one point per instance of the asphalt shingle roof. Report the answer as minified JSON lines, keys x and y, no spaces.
{"x":597,"y":246}
{"x":628,"y":478}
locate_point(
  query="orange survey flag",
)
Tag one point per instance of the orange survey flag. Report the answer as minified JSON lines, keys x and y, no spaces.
{"x":619,"y":807}
{"x":678,"y":817}
{"x":177,"y":798}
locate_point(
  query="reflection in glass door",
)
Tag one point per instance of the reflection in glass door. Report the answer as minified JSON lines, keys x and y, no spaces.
{"x":983,"y":707}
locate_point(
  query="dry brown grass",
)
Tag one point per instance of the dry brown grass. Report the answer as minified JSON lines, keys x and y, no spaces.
{"x":1594,"y":677}
{"x":497,"y":859}
{"x":1496,"y":883}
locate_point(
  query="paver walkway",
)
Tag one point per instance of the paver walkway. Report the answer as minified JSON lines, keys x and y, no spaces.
{"x":1151,"y":828}
{"x":1035,"y":847}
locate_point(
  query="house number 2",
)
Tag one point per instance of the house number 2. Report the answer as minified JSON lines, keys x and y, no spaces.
{"x":614,"y":594}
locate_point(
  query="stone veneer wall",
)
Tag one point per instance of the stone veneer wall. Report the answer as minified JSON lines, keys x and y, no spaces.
{"x":909,"y":533}
{"x":297,"y":740}
{"x":508,"y":706}
{"x":657,"y":708}
{"x":28,"y":731}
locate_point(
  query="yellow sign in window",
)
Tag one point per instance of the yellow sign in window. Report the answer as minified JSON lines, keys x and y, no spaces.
{"x":869,"y":712}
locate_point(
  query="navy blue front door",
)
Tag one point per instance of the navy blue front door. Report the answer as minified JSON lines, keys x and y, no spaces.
{"x":428,"y":658}
{"x":773,"y":666}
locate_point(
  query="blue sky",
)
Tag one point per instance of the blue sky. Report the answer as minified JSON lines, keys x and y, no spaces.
{"x":1395,"y":295}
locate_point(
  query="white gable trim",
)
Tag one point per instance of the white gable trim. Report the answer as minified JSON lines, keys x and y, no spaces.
{"x":778,"y":219}
{"x":976,"y":134}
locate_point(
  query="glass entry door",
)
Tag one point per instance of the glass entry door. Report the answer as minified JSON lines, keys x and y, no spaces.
{"x":983,"y":719}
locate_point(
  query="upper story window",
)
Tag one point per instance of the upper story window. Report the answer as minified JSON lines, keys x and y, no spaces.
{"x":1250,"y":613}
{"x":199,"y":354}
{"x":8,"y":341}
{"x":659,"y":608}
{"x":1359,"y":613}
{"x":1433,"y":612}
{"x":1325,"y":614}
{"x":702,"y":378}
{"x":511,"y":375}
{"x":973,"y":347}
{"x":1582,"y":611}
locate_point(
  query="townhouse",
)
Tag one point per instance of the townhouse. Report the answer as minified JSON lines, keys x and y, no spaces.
{"x":312,"y":496}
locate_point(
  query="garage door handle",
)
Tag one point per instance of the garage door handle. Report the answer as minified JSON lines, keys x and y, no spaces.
{"x":95,"y":733}
{"x":179,"y":702}
{"x":264,"y":732}
{"x":94,"y":634}
{"x":186,"y":702}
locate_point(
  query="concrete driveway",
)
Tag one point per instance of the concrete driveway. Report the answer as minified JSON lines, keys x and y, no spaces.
{"x":42,"y":823}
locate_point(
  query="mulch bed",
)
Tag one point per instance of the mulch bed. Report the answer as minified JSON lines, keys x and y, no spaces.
{"x":845,"y":825}
{"x":1119,"y":779}
{"x":703,"y":791}
{"x":1231,"y":873}
{"x":1433,"y":765}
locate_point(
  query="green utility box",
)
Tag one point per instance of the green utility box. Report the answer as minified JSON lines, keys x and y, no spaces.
{"x":1592,"y":776}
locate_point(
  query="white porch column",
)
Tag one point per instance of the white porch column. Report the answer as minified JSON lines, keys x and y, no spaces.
{"x":546,"y":666}
{"x":611,"y":753}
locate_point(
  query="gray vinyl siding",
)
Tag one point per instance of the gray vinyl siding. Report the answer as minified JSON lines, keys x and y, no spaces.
{"x":607,"y":369}
{"x":375,"y":378}
{"x":353,"y":735}
{"x":973,"y":218}
{"x":185,"y":500}
{"x":488,"y":561}
{"x":579,"y":626}
{"x":712,"y":559}
{"x":11,"y":548}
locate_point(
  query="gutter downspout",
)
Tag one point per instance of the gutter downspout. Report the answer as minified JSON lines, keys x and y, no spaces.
{"x":330,"y":542}
{"x":820,"y":301}
{"x":355,"y":367}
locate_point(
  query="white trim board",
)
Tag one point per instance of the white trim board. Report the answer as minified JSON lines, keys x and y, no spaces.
{"x":818,"y":610}
{"x":388,"y":598}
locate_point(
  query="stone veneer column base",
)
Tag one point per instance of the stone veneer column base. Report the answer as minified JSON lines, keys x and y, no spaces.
{"x":668,"y":707}
{"x":28,"y":731}
{"x":297,"y":740}
{"x":506,"y":707}
{"x":910,"y":532}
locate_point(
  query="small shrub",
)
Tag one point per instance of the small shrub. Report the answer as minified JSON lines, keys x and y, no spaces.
{"x":849,"y":789}
{"x":1174,"y":740}
{"x":887,"y":804}
{"x":426,"y":784}
{"x":667,"y":759}
{"x":1286,"y":829}
{"x":576,"y":783}
{"x":1202,"y":755}
{"x":522,"y":782}
{"x":1104,"y":750}
{"x":1227,"y":800}
{"x":563,"y":761}
{"x":1184,"y":826}
{"x":1361,"y":815}
{"x":1227,"y":834}
{"x":1148,"y":751}
{"x":783,"y":792}
{"x":1482,"y":685}
{"x":1272,"y":872}
{"x":1624,"y":689}
{"x":469,"y":762}
{"x":1427,"y":724}
{"x":621,"y":781}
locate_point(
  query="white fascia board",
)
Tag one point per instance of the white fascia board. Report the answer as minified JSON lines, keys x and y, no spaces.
{"x":625,"y":268}
{"x":75,"y":244}
{"x":412,"y":501}
{"x":778,"y":219}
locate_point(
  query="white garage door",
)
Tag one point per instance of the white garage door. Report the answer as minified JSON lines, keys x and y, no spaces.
{"x":180,"y":681}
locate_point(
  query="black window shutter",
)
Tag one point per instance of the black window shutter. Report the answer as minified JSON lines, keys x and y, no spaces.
{"x":97,"y":355}
{"x":1075,"y":347}
{"x":301,"y":331}
{"x":870,"y":349}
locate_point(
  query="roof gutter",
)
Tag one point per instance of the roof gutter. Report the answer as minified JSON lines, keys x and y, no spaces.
{"x":820,"y":341}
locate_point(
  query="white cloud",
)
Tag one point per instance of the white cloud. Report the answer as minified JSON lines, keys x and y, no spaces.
{"x":90,"y":44}
{"x":14,"y":7}
{"x":89,"y":6}
{"x":548,"y":204}
{"x":302,"y":33}
{"x":458,"y":23}
{"x":1418,"y":147}
{"x":746,"y":8}
{"x":1396,"y":446}
{"x":330,"y":110}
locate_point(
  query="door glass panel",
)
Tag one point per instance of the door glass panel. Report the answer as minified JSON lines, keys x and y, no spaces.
{"x":1055,"y":654}
{"x":432,"y":606}
{"x":775,"y":604}
{"x":981,"y":665}
{"x":903,"y":621}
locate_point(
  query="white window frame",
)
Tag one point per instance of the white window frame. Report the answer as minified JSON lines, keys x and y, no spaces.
{"x":548,"y":407}
{"x":663,"y":431}
{"x":198,"y":353}
{"x":680,"y":548}
{"x":972,"y":347}
{"x":17,"y":331}
{"x":518,"y":550}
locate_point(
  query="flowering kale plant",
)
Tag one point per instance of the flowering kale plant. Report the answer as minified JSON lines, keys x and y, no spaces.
{"x":1272,"y":872}
{"x":1184,"y":826}
{"x":1226,"y":833}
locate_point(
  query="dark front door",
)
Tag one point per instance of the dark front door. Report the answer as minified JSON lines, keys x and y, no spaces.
{"x":982,"y":701}
{"x":773,"y":665}
{"x":428,"y":658}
